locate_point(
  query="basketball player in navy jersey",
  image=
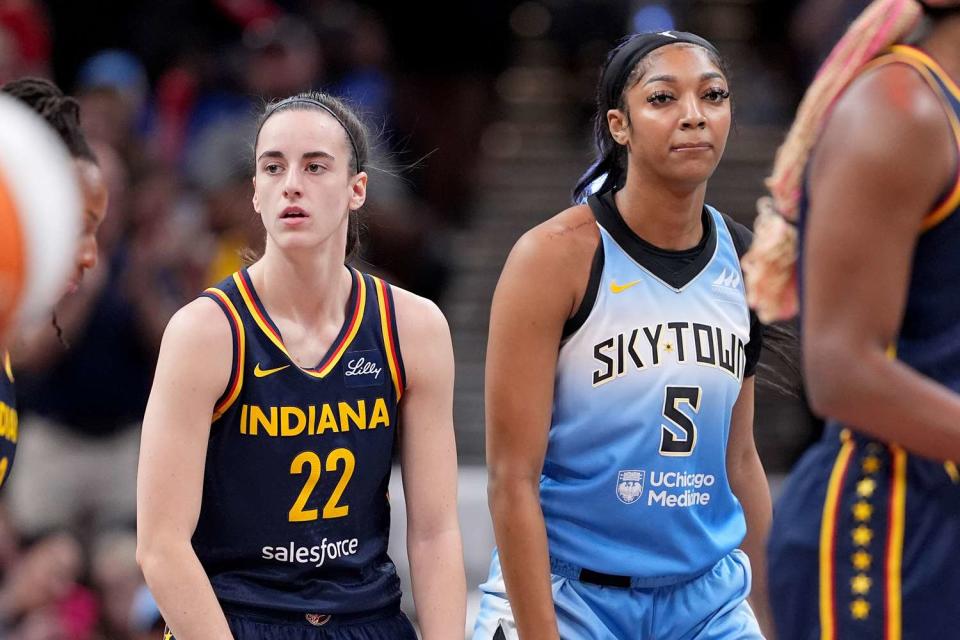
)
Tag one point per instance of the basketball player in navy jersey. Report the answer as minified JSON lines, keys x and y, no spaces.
{"x":279,"y":399}
{"x":865,"y":540}
{"x":63,"y":114}
{"x":623,"y":472}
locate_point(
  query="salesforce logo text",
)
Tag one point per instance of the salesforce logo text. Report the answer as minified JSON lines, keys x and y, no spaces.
{"x":315,"y":555}
{"x":679,"y":489}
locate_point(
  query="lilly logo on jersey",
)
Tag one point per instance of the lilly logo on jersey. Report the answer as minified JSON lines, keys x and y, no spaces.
{"x":363,"y":368}
{"x":630,"y":485}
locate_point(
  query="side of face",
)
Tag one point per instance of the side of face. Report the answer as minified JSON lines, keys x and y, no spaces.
{"x":93,"y":188}
{"x":676,"y":117}
{"x":304,"y":185}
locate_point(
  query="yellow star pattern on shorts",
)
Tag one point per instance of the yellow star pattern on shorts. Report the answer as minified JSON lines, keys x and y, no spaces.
{"x":862,"y":535}
{"x":866,"y":487}
{"x":860,"y":584}
{"x":871,"y":464}
{"x":862,"y":511}
{"x":860,"y":609}
{"x":861,"y":560}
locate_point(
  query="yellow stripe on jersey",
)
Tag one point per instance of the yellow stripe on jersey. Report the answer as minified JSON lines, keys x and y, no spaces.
{"x":351,"y":332}
{"x":7,"y":366}
{"x":236,"y":379}
{"x":898,"y":500}
{"x":327,"y":366}
{"x":924,"y":58}
{"x":923,"y":64}
{"x":828,"y":529}
{"x":255,"y":313}
{"x":388,"y":343}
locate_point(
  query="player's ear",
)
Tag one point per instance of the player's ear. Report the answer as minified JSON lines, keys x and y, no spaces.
{"x":618,"y":124}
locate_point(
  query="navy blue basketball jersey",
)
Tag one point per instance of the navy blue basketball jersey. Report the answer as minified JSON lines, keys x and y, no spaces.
{"x":929,"y":338}
{"x":9,"y":423}
{"x":634,"y":479}
{"x":295,"y":513}
{"x":864,"y":537}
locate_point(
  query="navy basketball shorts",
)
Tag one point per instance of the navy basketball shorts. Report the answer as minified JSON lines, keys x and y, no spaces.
{"x":256,"y":624}
{"x":865,"y":543}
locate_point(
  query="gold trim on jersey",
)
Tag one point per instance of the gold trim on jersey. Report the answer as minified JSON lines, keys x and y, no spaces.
{"x":388,"y":342}
{"x":930,"y":71}
{"x":236,"y":378}
{"x":898,"y":499}
{"x":327,"y":365}
{"x":828,"y":531}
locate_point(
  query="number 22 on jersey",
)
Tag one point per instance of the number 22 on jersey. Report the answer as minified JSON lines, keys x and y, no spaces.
{"x":332,"y":508}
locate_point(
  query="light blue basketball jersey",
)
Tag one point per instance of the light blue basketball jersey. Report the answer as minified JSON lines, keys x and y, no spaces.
{"x":634,"y":481}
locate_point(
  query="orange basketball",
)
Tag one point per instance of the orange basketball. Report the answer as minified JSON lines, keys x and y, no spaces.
{"x":40,"y":215}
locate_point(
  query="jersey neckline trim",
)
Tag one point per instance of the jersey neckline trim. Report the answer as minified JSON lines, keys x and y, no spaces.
{"x":644,"y":253}
{"x":356,"y":303}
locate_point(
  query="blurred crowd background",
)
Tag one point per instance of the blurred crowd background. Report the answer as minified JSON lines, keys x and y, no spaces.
{"x":482,"y":112}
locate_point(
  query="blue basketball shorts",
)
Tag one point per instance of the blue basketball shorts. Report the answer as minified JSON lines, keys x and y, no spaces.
{"x":710,"y":607}
{"x":864,"y":544}
{"x":255,"y":624}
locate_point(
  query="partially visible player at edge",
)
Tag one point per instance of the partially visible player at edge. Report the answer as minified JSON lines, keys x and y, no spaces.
{"x":63,"y":114}
{"x":279,"y":398}
{"x":620,"y":382}
{"x":865,"y":538}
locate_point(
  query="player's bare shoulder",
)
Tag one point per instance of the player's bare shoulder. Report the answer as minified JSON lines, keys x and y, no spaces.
{"x":417,"y":316}
{"x":200,"y":321}
{"x":568,"y":238}
{"x":551,"y":262}
{"x":198,"y":337}
{"x":425,"y":343}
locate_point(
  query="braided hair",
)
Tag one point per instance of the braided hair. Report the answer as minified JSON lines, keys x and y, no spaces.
{"x":770,"y":266}
{"x":61,"y":112}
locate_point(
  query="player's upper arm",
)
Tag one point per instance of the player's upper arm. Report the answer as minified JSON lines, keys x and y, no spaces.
{"x":193,"y":369}
{"x":883,"y":160}
{"x":742,"y":442}
{"x":427,"y":445}
{"x":535,"y":296}
{"x":742,"y":239}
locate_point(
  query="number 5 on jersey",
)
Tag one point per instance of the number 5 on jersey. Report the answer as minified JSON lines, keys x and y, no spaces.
{"x":679,"y":440}
{"x":331,"y":509}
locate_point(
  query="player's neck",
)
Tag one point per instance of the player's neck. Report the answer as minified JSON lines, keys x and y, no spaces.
{"x":943,"y":43}
{"x":308,"y":291}
{"x":665,"y":218}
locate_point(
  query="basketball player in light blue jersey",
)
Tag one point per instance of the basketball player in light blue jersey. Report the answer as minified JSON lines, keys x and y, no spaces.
{"x":624,"y":479}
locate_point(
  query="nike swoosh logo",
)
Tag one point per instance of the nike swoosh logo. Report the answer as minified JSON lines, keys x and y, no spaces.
{"x":263,"y":373}
{"x":620,"y":288}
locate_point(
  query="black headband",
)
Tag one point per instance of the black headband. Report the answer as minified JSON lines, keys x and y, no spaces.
{"x":292,"y":100}
{"x":636,"y":47}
